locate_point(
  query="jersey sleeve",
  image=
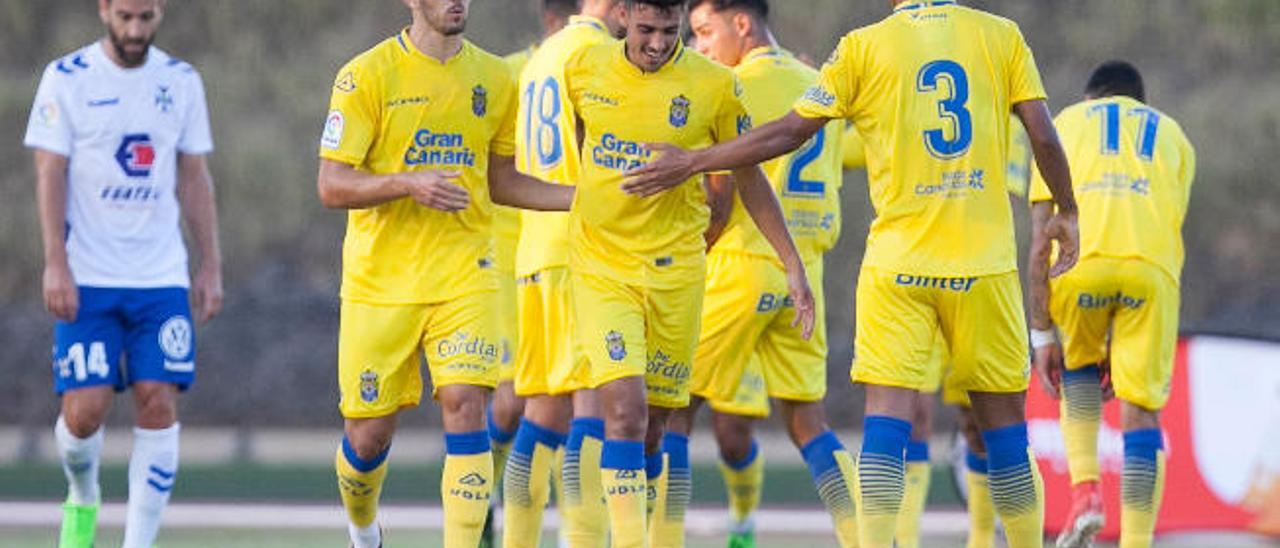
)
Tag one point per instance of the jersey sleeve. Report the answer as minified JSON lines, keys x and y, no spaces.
{"x":1024,"y":77}
{"x":353,"y":117}
{"x":504,"y":141}
{"x":732,"y":119}
{"x":832,"y":96}
{"x":196,"y":136}
{"x":49,"y":127}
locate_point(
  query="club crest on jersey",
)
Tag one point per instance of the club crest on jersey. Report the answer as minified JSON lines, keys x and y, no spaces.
{"x":479,"y":101}
{"x":616,"y":346}
{"x":175,"y":338}
{"x":164,"y":99}
{"x":369,"y":386}
{"x":679,"y":111}
{"x":136,"y":155}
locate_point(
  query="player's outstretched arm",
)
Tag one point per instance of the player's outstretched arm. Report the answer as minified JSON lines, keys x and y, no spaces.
{"x":342,"y":186}
{"x":1052,"y":162}
{"x":762,"y":204}
{"x":509,"y":187}
{"x":1047,"y":360}
{"x":675,"y":165}
{"x":61,"y":297}
{"x":200,"y":210}
{"x":720,"y":201}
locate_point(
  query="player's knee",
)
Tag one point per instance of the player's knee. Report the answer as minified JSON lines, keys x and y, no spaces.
{"x":368,"y":443}
{"x":463,"y":407}
{"x":734,"y":447}
{"x":805,"y":420}
{"x":156,"y":405}
{"x":83,"y":421}
{"x":628,"y":422}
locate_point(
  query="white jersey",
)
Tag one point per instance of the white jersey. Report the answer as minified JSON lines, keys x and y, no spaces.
{"x":122,"y":130}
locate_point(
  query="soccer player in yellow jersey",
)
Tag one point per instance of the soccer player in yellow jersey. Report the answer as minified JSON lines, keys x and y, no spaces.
{"x":418,"y":146}
{"x":506,"y":408}
{"x":550,"y":373}
{"x":748,"y":350}
{"x":1133,"y":168}
{"x":930,"y":88}
{"x":637,"y":260}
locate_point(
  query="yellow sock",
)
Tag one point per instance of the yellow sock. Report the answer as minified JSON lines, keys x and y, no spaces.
{"x":622,"y":472}
{"x":585,"y":518}
{"x":466,"y":487}
{"x":1017,"y":490}
{"x":1142,"y":487}
{"x":360,"y":484}
{"x":675,"y":488}
{"x":527,"y":484}
{"x":914,"y":497}
{"x":744,"y":482}
{"x":657,"y":484}
{"x":557,"y":479}
{"x":1081,"y":414}
{"x":836,"y":480}
{"x":982,"y":516}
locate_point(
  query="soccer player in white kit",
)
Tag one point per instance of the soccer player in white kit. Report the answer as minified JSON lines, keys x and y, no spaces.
{"x":120,"y":133}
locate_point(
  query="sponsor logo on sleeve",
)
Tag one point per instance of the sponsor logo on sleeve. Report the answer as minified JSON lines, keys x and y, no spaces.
{"x":334,"y":125}
{"x":346,"y":83}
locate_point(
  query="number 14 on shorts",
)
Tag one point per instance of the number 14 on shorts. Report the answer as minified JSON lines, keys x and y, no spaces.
{"x":82,"y":365}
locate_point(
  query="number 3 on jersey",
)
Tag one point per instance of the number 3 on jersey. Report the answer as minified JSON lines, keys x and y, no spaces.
{"x":951,"y":108}
{"x":547,"y":110}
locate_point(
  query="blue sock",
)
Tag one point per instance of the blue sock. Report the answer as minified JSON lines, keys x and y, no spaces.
{"x":622,"y":455}
{"x":917,"y":451}
{"x":1141,"y":468}
{"x":520,"y":462}
{"x":1013,"y":489}
{"x":653,"y":465}
{"x":580,"y":429}
{"x":881,"y":465}
{"x":679,"y":475}
{"x":751,"y":457}
{"x":498,"y":435}
{"x":820,"y":456}
{"x":466,"y":443}
{"x":977,"y":464}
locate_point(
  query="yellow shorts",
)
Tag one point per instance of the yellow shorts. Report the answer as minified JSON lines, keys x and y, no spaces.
{"x":899,"y":317}
{"x":508,"y":326}
{"x":547,"y":362}
{"x":1137,"y":303}
{"x":747,"y":318}
{"x":634,"y":331}
{"x":938,"y":375}
{"x":751,"y":398}
{"x":379,"y":348}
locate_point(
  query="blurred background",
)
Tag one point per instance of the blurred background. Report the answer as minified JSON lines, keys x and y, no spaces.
{"x":268,"y":362}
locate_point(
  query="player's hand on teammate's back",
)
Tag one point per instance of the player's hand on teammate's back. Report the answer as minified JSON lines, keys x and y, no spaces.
{"x":206,"y":294}
{"x":436,"y":189}
{"x":61,"y":296}
{"x":802,"y":298}
{"x":1049,"y":366}
{"x":1064,"y":228}
{"x":673,"y":165}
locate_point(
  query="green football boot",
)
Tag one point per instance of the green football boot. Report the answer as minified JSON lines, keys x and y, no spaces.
{"x":79,"y":522}
{"x":745,"y":539}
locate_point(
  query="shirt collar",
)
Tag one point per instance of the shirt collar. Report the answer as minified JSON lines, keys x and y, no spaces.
{"x":589,"y":21}
{"x":408,"y":46}
{"x":762,"y":52}
{"x":921,"y":4}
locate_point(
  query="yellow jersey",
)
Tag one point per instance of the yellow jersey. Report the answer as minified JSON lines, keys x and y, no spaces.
{"x":808,"y":180}
{"x":394,"y":110}
{"x":1132,"y":169}
{"x":547,"y":139}
{"x":855,"y":149}
{"x":506,"y":220}
{"x":931,"y":88}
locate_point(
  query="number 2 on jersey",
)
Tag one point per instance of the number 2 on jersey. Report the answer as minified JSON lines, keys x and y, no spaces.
{"x":952,"y":108}
{"x":807,"y":154}
{"x":1110,"y":113}
{"x":547,"y":133}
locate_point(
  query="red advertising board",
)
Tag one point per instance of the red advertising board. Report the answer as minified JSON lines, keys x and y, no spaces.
{"x":1222,"y":436}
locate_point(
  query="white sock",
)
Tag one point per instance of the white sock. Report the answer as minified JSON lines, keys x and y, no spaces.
{"x":153,"y":467}
{"x":80,"y":463}
{"x":365,"y":537}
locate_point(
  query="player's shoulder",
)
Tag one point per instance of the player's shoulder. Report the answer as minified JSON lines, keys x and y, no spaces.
{"x":171,"y":66}
{"x":702,"y":66}
{"x":988,"y":20}
{"x":71,"y":65}
{"x":382,"y":58}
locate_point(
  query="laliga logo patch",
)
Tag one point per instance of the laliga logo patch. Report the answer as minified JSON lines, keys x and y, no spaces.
{"x":334,"y":126}
{"x":479,"y":101}
{"x":175,"y":338}
{"x":136,"y":155}
{"x":369,"y":386}
{"x":679,"y":111}
{"x":616,"y":346}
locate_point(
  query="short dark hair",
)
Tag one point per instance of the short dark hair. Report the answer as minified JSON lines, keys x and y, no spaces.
{"x":562,"y":8}
{"x":1116,"y":78}
{"x":660,"y":4}
{"x":759,"y":8}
